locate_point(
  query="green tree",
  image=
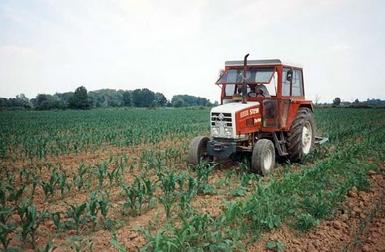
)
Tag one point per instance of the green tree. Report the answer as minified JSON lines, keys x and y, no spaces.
{"x":80,"y":100}
{"x":45,"y":102}
{"x":127,"y":101}
{"x":160,"y":100}
{"x":143,"y":97}
{"x":23,"y":101}
{"x":65,"y":97}
{"x":189,"y":100}
{"x":179,"y":102}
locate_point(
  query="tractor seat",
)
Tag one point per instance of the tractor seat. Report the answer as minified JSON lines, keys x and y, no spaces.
{"x":261,"y":88}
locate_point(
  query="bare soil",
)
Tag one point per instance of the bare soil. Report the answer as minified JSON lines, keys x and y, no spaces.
{"x":359,"y":225}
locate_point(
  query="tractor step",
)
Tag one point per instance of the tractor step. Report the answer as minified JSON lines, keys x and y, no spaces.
{"x":321,"y":140}
{"x":280,"y":144}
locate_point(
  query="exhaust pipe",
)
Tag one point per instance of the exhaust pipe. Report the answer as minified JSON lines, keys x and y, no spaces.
{"x":244,"y":83}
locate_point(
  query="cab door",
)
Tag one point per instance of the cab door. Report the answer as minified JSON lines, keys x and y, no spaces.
{"x":292,"y":89}
{"x":284,"y":104}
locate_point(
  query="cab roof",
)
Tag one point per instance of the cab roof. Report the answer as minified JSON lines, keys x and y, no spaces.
{"x":261,"y":62}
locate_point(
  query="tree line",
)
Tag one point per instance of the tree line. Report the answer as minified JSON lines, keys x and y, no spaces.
{"x":338,"y":102}
{"x":82,"y":99}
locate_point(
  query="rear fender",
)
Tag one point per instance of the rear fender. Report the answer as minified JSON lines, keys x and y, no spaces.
{"x":293,"y":110}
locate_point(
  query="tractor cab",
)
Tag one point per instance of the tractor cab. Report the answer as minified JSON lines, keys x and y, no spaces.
{"x":260,"y":82}
{"x":271,"y":83}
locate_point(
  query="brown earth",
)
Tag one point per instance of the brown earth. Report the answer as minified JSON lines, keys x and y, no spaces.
{"x":343,"y":232}
{"x":359,"y":225}
{"x":127,"y":234}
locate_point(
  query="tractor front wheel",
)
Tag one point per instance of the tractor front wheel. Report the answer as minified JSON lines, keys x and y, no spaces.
{"x":263,"y":157}
{"x":198,"y":151}
{"x":300,"y":138}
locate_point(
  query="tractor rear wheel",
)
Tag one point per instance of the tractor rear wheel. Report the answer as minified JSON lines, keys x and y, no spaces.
{"x":263,"y":157}
{"x":198,"y":151}
{"x":301,"y":136}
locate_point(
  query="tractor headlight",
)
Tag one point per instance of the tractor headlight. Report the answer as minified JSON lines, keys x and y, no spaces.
{"x":228,"y":132}
{"x":214,"y":131}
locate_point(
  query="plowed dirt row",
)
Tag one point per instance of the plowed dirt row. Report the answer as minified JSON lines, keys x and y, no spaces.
{"x":343,"y":232}
{"x":358,"y":226}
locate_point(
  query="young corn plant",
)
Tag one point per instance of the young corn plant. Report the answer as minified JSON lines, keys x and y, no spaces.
{"x":163,"y":240}
{"x":115,"y":174}
{"x":238,"y":191}
{"x":48,"y":189}
{"x":35,"y":182}
{"x":168,"y":185}
{"x":104,"y":207}
{"x":79,"y":178}
{"x":140,"y":190}
{"x":150,"y":190}
{"x":168,"y":182}
{"x":117,"y":245}
{"x":180,"y":180}
{"x":50,"y":186}
{"x":3,"y":193}
{"x":96,"y":204}
{"x":6,"y":228}
{"x":30,"y":220}
{"x":275,"y":245}
{"x":14,"y":195}
{"x":101,"y":172}
{"x":203,"y":172}
{"x":137,"y":194}
{"x":79,"y":244}
{"x":184,"y":203}
{"x":25,"y":175}
{"x":76,"y":213}
{"x":92,"y":206}
{"x":56,"y":219}
{"x":232,"y":213}
{"x":63,"y":183}
{"x":168,"y":200}
{"x":186,"y":196}
{"x":305,"y":221}
{"x":130,"y":198}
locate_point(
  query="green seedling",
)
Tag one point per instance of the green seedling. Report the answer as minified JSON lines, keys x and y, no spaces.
{"x":30,"y":220}
{"x":76,"y":214}
{"x":6,"y":228}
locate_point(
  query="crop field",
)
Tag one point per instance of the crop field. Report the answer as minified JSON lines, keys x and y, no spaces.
{"x":117,"y":180}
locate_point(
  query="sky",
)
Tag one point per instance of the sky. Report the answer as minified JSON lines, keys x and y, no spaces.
{"x":179,"y":47}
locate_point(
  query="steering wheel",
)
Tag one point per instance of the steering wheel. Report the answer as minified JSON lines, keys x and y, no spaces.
{"x":260,"y":92}
{"x":252,"y":94}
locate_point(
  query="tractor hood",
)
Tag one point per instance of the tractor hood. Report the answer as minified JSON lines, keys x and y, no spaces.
{"x":224,"y":118}
{"x":233,"y":107}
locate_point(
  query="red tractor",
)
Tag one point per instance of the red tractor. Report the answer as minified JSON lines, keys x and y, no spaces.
{"x":263,"y":112}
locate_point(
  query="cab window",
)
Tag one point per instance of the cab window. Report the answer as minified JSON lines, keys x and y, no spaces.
{"x":297,"y":83}
{"x":285,"y":83}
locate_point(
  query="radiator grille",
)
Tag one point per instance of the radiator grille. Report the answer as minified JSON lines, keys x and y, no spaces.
{"x":221,"y":119}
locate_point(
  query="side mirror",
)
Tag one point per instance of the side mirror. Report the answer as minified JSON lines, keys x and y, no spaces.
{"x":289,"y":75}
{"x":221,"y":73}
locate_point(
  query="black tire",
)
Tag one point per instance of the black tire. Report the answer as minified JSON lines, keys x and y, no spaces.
{"x":198,"y":151}
{"x":263,"y":157}
{"x":297,"y":147}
